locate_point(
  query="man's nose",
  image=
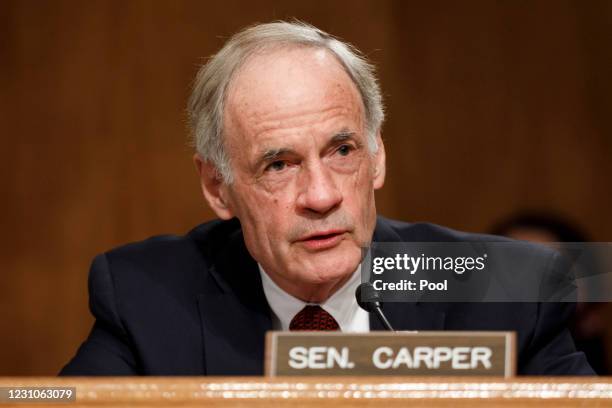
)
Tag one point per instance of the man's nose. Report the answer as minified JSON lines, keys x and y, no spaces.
{"x":318,"y":192}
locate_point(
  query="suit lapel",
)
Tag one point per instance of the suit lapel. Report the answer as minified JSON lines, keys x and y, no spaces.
{"x":405,"y":315}
{"x":410,"y":316}
{"x":234,"y":313}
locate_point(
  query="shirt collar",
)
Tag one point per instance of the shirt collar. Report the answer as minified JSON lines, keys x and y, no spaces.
{"x":342,"y":305}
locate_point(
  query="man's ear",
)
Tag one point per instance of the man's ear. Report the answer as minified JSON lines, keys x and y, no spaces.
{"x":213,"y":188}
{"x":379,"y":164}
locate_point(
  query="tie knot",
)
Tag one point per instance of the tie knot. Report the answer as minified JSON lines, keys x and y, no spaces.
{"x":313,"y":318}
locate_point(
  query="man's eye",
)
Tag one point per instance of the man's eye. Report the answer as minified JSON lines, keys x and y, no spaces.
{"x":276,"y":166}
{"x":345,"y":150}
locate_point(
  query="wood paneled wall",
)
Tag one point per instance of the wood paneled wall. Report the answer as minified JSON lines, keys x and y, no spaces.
{"x":492,"y":107}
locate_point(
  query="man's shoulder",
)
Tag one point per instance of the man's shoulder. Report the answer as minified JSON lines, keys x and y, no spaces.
{"x":182,"y":262}
{"x":160,"y":276}
{"x":201,"y":241}
{"x":428,"y":232}
{"x":511,"y":251}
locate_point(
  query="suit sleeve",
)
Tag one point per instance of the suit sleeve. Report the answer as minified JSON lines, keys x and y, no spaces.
{"x":552,"y":350}
{"x":107,"y":349}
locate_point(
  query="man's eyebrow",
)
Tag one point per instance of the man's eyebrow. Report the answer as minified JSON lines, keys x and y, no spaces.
{"x":342,"y":136}
{"x":271,"y":155}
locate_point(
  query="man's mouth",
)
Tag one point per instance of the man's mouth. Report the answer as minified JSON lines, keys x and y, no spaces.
{"x":322,"y":240}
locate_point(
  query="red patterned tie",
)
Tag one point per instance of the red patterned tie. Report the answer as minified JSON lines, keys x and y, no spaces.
{"x":313,"y":318}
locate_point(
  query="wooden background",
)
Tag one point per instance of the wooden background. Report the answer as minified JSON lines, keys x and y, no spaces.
{"x":493,"y":106}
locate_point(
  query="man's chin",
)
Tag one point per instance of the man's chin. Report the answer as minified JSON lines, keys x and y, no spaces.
{"x":330,"y":266}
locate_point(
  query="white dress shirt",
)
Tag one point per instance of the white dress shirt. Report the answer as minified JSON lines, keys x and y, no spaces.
{"x":342,"y":305}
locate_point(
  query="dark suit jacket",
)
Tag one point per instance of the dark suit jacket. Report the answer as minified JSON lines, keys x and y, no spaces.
{"x":194,"y":305}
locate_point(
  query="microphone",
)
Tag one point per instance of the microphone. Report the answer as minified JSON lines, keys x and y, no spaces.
{"x":369,"y":300}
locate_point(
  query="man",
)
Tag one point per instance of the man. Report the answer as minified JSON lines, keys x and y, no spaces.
{"x":287,"y":129}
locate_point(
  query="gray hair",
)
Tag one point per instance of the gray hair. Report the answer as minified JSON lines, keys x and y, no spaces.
{"x":207,"y":99}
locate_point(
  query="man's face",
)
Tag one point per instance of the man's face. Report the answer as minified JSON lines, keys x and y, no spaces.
{"x":304,"y":178}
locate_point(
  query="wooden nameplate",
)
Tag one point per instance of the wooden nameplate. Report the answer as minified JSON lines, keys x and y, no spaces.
{"x":435,"y":353}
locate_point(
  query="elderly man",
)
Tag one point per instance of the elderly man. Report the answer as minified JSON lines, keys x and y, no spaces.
{"x":287,"y":125}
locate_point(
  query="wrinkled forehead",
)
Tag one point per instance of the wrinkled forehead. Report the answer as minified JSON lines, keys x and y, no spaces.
{"x":288,"y":80}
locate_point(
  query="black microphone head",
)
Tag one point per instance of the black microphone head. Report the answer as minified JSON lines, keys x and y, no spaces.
{"x":368,"y":298}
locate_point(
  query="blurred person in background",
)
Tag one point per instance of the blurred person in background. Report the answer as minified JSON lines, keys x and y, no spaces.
{"x":588,"y":325}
